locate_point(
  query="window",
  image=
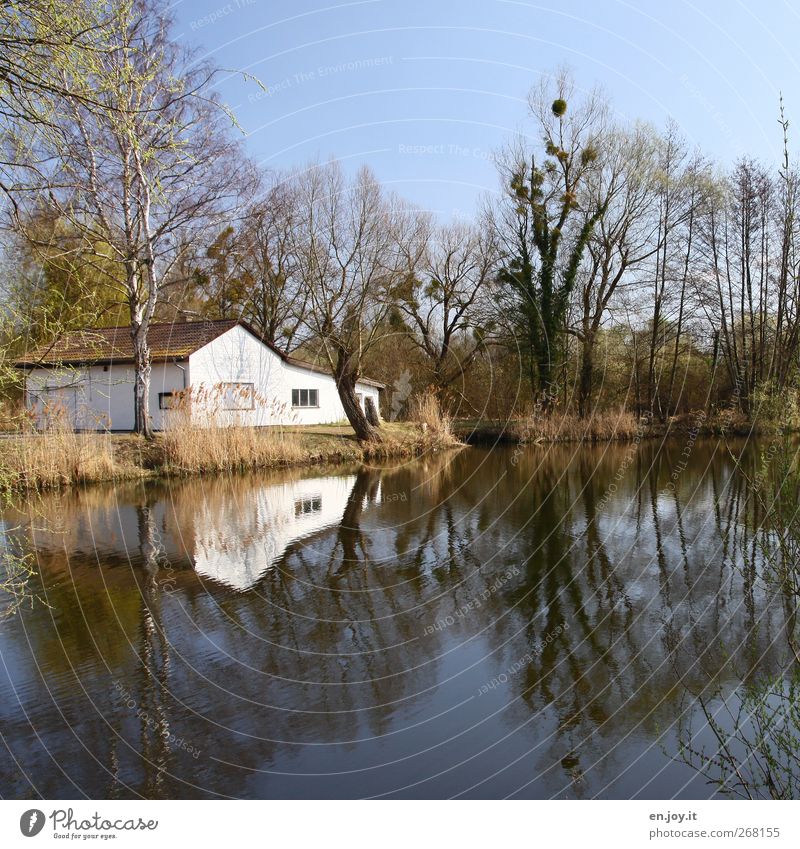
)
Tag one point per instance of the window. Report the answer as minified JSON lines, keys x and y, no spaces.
{"x":305,"y":397}
{"x":237,"y":396}
{"x":168,"y":400}
{"x":305,"y":506}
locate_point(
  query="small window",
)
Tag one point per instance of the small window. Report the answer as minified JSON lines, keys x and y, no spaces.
{"x":306,"y":506}
{"x":168,"y":400}
{"x":237,"y":396}
{"x":305,"y":397}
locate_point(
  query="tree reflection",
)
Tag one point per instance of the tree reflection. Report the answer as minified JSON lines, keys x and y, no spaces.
{"x":345,"y":646}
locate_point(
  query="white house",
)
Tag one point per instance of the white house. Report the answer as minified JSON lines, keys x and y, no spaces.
{"x":219,"y":372}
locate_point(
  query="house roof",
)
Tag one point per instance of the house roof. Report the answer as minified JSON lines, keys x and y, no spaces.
{"x":172,"y":341}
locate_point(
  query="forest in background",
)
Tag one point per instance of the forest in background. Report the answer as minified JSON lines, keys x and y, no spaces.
{"x":614,"y":267}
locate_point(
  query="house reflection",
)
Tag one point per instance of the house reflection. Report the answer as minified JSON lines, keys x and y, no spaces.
{"x":229,"y":530}
{"x":237,"y":539}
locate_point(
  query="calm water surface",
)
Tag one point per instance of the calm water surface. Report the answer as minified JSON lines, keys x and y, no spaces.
{"x":511,"y":622}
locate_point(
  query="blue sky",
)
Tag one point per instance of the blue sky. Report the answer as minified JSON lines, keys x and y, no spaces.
{"x":425,"y":92}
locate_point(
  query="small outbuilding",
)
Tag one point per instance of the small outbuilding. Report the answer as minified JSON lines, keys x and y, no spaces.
{"x":207,"y":372}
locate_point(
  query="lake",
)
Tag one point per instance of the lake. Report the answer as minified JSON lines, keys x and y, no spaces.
{"x":531,"y":622}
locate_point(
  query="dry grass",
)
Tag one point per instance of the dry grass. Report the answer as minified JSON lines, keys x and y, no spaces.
{"x":426,"y":410}
{"x":216,"y":449}
{"x":56,"y":458}
{"x":201,"y":436}
{"x":59,"y":457}
{"x":602,"y":426}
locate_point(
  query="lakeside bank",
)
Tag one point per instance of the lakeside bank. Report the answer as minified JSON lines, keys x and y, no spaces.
{"x":55,"y":460}
{"x":59,"y":459}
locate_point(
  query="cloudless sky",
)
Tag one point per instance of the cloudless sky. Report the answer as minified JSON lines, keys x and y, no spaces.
{"x":426,"y":90}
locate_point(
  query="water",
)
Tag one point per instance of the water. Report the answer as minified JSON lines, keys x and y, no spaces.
{"x":486,"y":623}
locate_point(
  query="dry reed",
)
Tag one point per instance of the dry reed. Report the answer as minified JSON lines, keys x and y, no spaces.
{"x":55,"y":458}
{"x":215,"y":441}
{"x":426,"y":410}
{"x":601,"y":426}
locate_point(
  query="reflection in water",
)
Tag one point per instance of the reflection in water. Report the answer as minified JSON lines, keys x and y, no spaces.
{"x":236,"y":541}
{"x":479,"y":623}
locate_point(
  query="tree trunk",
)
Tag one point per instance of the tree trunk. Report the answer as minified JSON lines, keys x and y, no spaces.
{"x":587,"y":376}
{"x":548,"y":391}
{"x":346,"y":385}
{"x":370,"y":412}
{"x":141,"y":384}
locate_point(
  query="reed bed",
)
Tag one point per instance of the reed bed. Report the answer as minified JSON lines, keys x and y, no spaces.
{"x":193,"y":449}
{"x":426,"y":410}
{"x":56,"y":458}
{"x":601,"y":426}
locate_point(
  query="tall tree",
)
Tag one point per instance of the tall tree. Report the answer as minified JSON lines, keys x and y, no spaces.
{"x":48,"y":49}
{"x":624,"y":238}
{"x":145,"y":170}
{"x":675,"y":206}
{"x":541,"y":224}
{"x":444,"y":303}
{"x":349,"y":266}
{"x":252,"y":269}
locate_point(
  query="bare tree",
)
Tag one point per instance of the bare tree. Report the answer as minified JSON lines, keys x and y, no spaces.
{"x":349,"y":266}
{"x":253,"y":269}
{"x":145,"y":171}
{"x":444,"y":300}
{"x":624,"y":238}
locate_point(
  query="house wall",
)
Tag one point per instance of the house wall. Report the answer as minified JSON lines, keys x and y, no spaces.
{"x":237,"y":356}
{"x":98,"y":397}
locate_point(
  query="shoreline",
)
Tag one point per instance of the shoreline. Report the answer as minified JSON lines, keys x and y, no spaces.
{"x":606,"y":428}
{"x":57,"y":461}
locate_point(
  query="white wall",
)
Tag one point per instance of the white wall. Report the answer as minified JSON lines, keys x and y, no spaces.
{"x":96,"y":397}
{"x":237,"y":356}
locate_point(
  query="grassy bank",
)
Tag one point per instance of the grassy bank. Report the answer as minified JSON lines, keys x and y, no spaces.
{"x":63,"y":458}
{"x":608,"y":426}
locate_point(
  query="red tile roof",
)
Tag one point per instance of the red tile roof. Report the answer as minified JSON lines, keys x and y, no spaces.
{"x":114,"y":344}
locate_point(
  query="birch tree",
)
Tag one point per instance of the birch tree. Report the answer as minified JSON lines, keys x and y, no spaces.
{"x":144,"y":170}
{"x":48,"y":50}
